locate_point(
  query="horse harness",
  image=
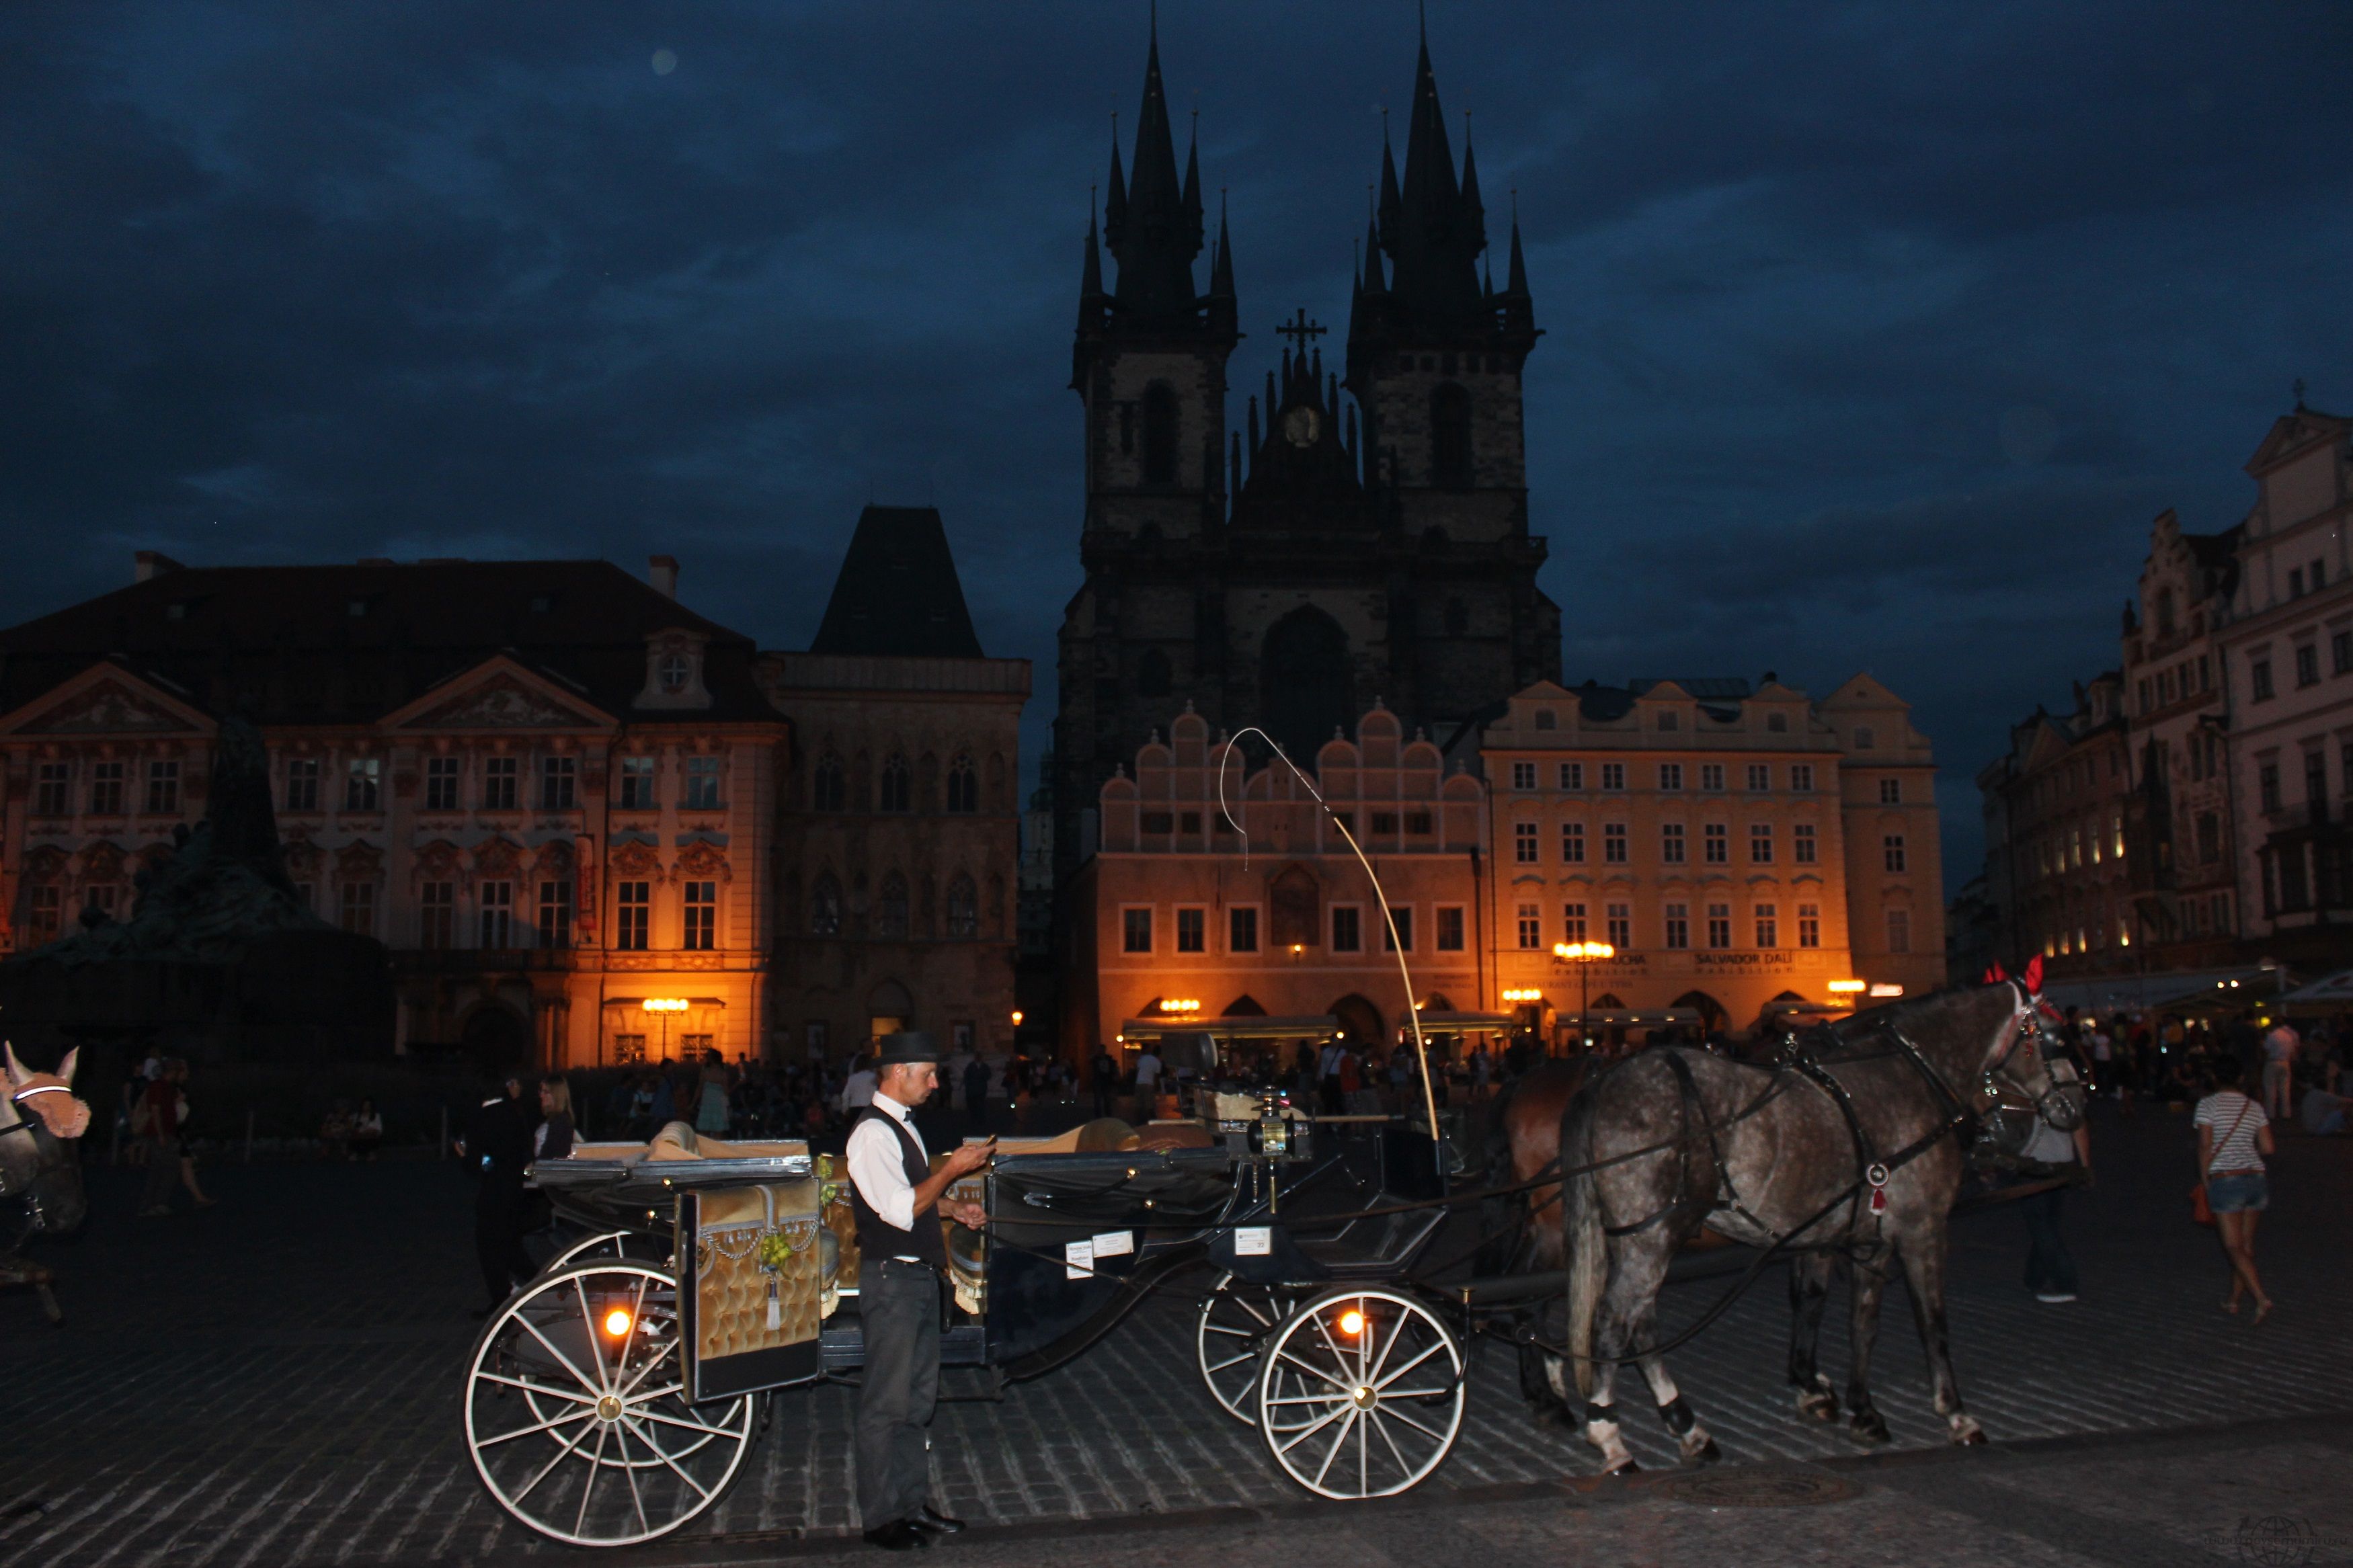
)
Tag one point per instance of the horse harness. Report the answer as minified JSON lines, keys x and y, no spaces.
{"x":1801,"y":1059}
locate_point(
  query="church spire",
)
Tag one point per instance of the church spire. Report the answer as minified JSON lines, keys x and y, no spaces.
{"x":1116,"y":203}
{"x":1432,"y":227}
{"x":1153,"y":224}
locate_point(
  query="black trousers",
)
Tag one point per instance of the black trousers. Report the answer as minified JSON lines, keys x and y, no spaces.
{"x":899,"y":1312}
{"x":499,"y":1214}
{"x":2049,"y":1264}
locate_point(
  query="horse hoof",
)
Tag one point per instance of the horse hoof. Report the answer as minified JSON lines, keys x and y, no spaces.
{"x":1967,"y":1434}
{"x":1628,"y":1468}
{"x":1818,"y":1406}
{"x":1868,"y":1426}
{"x":1707,"y":1454}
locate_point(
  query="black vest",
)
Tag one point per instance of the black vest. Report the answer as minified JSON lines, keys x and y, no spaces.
{"x":877,"y":1238}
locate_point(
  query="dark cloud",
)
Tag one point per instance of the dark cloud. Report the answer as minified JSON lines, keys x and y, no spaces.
{"x":1876,"y":334}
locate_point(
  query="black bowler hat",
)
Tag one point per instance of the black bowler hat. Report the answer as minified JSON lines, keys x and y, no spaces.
{"x":905,"y":1048}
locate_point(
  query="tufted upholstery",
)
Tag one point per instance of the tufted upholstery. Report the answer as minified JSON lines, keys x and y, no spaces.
{"x":731,"y":1289}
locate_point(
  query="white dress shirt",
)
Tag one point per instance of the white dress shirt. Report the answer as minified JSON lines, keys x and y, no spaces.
{"x":858,"y":1093}
{"x":878,"y":1166}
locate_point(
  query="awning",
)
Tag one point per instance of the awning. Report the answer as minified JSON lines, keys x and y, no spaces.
{"x":1466,"y":1023}
{"x":1305,"y":1026}
{"x":1635,"y":1017}
{"x":2335,"y":989}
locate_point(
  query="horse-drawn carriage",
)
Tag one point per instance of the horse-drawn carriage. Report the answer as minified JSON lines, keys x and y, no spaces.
{"x":615,"y":1398}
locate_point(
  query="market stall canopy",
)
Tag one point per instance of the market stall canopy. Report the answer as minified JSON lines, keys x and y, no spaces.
{"x":1637,"y":1018}
{"x":1299,"y":1027}
{"x":2327,"y":994}
{"x":1465,"y":1023}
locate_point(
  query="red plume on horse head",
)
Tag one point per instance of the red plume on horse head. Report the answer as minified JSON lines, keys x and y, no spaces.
{"x":2035,"y":976}
{"x":1994,"y":974}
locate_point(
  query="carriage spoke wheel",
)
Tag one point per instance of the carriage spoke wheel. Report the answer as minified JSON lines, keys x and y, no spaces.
{"x":575,"y":1414}
{"x":1235,"y":1319}
{"x":1360,"y":1394}
{"x":611,"y":1246}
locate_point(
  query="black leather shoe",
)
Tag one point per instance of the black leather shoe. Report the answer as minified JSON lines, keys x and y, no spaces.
{"x":931,"y":1518}
{"x":899,"y":1535}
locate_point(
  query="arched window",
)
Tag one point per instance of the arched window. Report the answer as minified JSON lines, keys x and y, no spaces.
{"x":1449,"y":436}
{"x":898,"y":784}
{"x":825,"y":907}
{"x":964,"y":909}
{"x":1153,"y":676}
{"x":1159,"y":434}
{"x":964,"y":785}
{"x":890,"y":919}
{"x":1306,"y":687}
{"x":829,"y":791}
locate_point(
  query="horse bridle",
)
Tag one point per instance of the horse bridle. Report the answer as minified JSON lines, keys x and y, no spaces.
{"x":2027,"y":1022}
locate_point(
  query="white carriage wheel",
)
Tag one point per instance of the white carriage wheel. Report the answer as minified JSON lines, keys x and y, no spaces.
{"x":576,"y":1417}
{"x":618,"y":1245}
{"x":1228,"y":1335}
{"x":1360,"y":1394}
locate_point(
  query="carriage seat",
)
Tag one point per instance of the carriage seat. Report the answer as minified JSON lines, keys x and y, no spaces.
{"x":1105,"y":1135}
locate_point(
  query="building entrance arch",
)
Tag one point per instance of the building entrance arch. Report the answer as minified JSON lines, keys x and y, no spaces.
{"x":1360,"y":1021}
{"x":496,"y":1039}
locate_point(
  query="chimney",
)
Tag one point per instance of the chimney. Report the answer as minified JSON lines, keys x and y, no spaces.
{"x":661,"y":571}
{"x":151,"y":564}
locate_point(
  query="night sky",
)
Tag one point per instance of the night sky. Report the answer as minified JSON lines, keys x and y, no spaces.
{"x":1876,"y":334}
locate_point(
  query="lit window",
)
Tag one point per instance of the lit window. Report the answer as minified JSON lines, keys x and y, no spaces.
{"x":363,"y":778}
{"x":634,"y":910}
{"x":1768,"y":926}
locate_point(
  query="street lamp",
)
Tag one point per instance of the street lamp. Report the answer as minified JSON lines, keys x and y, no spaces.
{"x":665,"y":1006}
{"x":1582,"y":955}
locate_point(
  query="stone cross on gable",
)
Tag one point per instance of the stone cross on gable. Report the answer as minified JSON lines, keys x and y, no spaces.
{"x":1301,"y":329}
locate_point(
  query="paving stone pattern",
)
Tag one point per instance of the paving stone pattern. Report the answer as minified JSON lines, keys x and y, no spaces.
{"x":275,"y":1380}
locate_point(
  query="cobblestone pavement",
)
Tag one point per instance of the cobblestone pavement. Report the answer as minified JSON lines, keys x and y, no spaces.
{"x":275,"y":1380}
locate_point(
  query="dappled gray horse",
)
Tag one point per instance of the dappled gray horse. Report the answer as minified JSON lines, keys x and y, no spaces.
{"x":1850,"y":1146}
{"x":41,"y":1167}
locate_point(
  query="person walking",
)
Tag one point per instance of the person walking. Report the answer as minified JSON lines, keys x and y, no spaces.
{"x":711,"y":1096}
{"x":857,"y":1092}
{"x":1147,"y":1084}
{"x":2050,"y":1267}
{"x":1103,"y":1074}
{"x":500,"y":1146}
{"x":2279,"y":1062}
{"x":976,"y":1093}
{"x":898,"y":1198}
{"x":168,"y":1159}
{"x":2233,"y":1136}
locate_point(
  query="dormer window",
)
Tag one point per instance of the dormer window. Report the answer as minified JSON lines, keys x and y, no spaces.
{"x":356,"y":607}
{"x":676,"y":670}
{"x":541,"y":604}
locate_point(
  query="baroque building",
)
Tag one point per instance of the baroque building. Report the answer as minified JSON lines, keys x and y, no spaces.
{"x":2061,"y":859}
{"x":1355,"y":539}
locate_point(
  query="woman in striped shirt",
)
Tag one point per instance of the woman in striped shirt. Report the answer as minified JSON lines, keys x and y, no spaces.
{"x":2233,"y":1136}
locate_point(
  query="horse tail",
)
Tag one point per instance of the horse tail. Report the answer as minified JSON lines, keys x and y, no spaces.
{"x":1588,"y":1251}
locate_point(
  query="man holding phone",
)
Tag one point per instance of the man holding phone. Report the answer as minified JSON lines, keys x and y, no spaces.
{"x":897,"y":1199}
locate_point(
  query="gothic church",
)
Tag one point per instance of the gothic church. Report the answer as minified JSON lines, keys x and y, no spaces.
{"x":1363,"y":536}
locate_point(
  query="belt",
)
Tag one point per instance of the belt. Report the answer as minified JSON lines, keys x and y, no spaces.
{"x":2243,"y":1171}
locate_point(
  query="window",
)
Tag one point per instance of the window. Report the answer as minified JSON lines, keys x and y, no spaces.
{"x":1192,"y":930}
{"x":2267,"y":786}
{"x":825,"y":908}
{"x":1810,"y":925}
{"x":1523,"y":775}
{"x":1572,"y":775}
{"x":436,"y":908}
{"x":1403,"y":915}
{"x":1719,"y":926}
{"x":50,"y":791}
{"x":1801,"y":844}
{"x":1613,"y":775}
{"x":1670,"y":776}
{"x":1450,"y":929}
{"x":2259,"y":678}
{"x":634,"y":907}
{"x":1891,"y":851}
{"x":1715,"y":844}
{"x":104,"y":898}
{"x":1711,"y":775}
{"x":359,"y":908}
{"x":2317,"y":576}
{"x":2116,"y":833}
{"x":1449,"y":436}
{"x":1768,"y":925}
{"x":1347,"y":929}
{"x":1760,"y":843}
{"x":363,"y":779}
{"x":637,"y":784}
{"x":43,"y":918}
{"x":1778,"y":723}
{"x":1385,"y":823}
{"x":2295,"y":583}
{"x":1572,"y":844}
{"x":1678,"y":926}
{"x":1419,"y":822}
{"x":106,"y":789}
{"x":2307,"y":665}
{"x":629,"y":1051}
{"x":1241,"y":930}
{"x":163,"y":787}
{"x":1572,"y":922}
{"x":557,"y":776}
{"x":1524,"y":842}
{"x":554,"y":928}
{"x":676,"y":669}
{"x":1160,"y":434}
{"x":1801,"y":777}
{"x":1136,"y":931}
{"x":1760,"y":775}
{"x":2340,"y":653}
{"x":2209,"y":837}
{"x":702,"y":784}
{"x":1620,"y":920}
{"x":1613,"y":842}
{"x":1891,"y":792}
{"x":1671,"y":843}
{"x":501,"y":778}
{"x":890,"y":909}
{"x":1899,"y":931}
{"x":1531,"y":928}
{"x":963,"y":786}
{"x":1670,"y":720}
{"x":1547,"y":720}
{"x":497,"y":901}
{"x":964,"y":909}
{"x":2205,"y":673}
{"x":1863,"y":738}
{"x":440,"y":784}
{"x":701,"y":933}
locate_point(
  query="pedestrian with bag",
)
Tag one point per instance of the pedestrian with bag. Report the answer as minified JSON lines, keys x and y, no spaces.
{"x":898,"y":1199}
{"x":2233,"y":1136}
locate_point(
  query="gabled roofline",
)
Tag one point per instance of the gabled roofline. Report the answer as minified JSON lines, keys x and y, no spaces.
{"x":563,"y":693}
{"x":110,"y":669}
